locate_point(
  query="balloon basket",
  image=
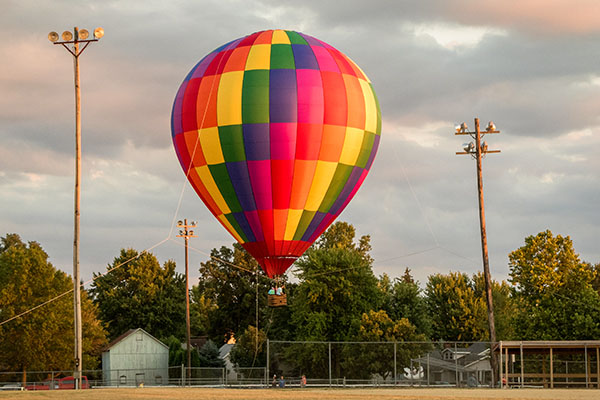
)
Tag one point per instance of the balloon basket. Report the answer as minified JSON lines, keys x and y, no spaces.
{"x":277,"y":300}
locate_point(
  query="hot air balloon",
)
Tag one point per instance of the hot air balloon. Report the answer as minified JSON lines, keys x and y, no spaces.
{"x":276,"y":131}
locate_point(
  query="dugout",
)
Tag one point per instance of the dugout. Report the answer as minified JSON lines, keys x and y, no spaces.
{"x":549,"y":364}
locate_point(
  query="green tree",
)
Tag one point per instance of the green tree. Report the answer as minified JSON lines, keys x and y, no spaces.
{"x":178,"y":353}
{"x":141,"y":294}
{"x":407,"y":301}
{"x":250,"y":348}
{"x":209,"y":356}
{"x":225,"y":296}
{"x":504,"y":306}
{"x":374,"y":358}
{"x":42,"y":339}
{"x":336,"y":287}
{"x":457,"y":313}
{"x":554,"y":290}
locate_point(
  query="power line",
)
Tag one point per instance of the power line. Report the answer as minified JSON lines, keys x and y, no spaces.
{"x":81,"y":285}
{"x":416,"y":198}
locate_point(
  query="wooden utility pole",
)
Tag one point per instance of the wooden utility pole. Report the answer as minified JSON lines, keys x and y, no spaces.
{"x":476,"y":150}
{"x":186,"y":234}
{"x":75,"y":38}
{"x":76,"y":275}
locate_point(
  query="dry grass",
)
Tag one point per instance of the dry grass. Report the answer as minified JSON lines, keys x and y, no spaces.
{"x":308,"y":394}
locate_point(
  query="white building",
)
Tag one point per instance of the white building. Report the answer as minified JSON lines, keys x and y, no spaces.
{"x":224,"y":353}
{"x":135,"y":358}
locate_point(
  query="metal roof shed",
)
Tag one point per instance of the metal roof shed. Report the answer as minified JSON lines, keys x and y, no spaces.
{"x":135,"y":358}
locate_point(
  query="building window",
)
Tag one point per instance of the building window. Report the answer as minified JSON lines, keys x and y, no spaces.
{"x":123,"y":380}
{"x":139,"y":337}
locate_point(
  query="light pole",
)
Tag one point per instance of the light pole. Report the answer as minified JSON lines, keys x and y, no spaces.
{"x":476,"y":150}
{"x":186,"y":234}
{"x":78,"y":36}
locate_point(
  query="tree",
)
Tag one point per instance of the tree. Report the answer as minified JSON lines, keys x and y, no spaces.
{"x":458,"y":314}
{"x":336,"y":287}
{"x":375,"y":358}
{"x":42,"y":339}
{"x":250,"y":348}
{"x":554,"y":290}
{"x":407,"y":302}
{"x":139,"y":293}
{"x":178,"y":354}
{"x":226,"y":293}
{"x":504,"y":305}
{"x":209,"y":356}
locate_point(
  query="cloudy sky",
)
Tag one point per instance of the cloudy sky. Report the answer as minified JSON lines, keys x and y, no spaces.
{"x":530,"y":66}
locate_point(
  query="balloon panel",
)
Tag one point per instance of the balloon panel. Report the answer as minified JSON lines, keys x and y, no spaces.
{"x":276,"y":132}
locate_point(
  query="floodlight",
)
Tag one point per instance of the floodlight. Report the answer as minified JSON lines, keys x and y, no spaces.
{"x":469,"y":147}
{"x":191,"y":233}
{"x":53,"y":37}
{"x":98,"y":33}
{"x":457,"y":127}
{"x":491,"y":126}
{"x":83,"y":34}
{"x":484,"y":147}
{"x":463,"y":127}
{"x":179,"y":222}
{"x":67,"y":36}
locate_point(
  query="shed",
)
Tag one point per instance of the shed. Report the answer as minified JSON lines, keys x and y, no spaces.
{"x":136,"y":357}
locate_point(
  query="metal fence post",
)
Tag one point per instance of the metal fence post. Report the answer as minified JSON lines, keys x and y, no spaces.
{"x":395,"y":366}
{"x":329,"y":364}
{"x":268,"y":363}
{"x":182,"y":375}
{"x":456,"y":364}
{"x":427,"y":369}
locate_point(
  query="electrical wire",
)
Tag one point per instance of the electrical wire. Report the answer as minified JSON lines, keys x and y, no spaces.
{"x":82,"y":284}
{"x":415,"y":197}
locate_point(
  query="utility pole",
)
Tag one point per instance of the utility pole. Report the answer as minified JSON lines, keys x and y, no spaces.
{"x":78,"y":36}
{"x":186,"y":234}
{"x":476,"y":150}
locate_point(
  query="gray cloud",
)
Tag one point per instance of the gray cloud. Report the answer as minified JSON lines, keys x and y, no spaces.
{"x":535,"y":74}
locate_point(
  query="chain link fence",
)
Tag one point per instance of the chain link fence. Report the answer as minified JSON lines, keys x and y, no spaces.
{"x":361,"y":364}
{"x":350,"y":364}
{"x":172,"y":376}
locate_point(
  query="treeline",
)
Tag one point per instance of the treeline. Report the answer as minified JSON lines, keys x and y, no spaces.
{"x":551,"y":295}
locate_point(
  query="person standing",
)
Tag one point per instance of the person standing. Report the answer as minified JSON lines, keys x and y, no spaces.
{"x":303,"y":381}
{"x":281,"y":382}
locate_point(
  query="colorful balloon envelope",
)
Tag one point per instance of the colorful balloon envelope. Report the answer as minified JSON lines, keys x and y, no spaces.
{"x":276,"y":131}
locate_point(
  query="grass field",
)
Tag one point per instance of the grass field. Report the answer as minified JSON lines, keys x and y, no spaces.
{"x":307,"y":394}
